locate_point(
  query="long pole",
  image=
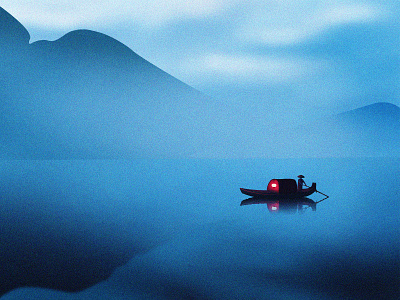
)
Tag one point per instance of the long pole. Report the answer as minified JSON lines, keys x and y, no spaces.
{"x":320,"y":193}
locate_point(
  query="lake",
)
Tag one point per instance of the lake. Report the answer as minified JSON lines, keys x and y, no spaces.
{"x":176,"y":229}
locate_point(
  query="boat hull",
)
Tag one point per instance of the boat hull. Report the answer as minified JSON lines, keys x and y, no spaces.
{"x":266,"y":194}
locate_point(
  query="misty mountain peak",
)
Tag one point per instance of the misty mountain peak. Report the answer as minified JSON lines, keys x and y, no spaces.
{"x":83,"y":42}
{"x":381,"y":111}
{"x":12,"y":32}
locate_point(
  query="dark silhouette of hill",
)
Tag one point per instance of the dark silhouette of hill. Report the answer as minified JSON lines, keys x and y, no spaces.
{"x":86,"y":95}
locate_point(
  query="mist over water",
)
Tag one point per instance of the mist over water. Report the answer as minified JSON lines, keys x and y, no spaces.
{"x":76,"y":224}
{"x":174,"y":229}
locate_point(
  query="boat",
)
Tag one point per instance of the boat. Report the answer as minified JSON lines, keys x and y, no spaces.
{"x":281,"y":189}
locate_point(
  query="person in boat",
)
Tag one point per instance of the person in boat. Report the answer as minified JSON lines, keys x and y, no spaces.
{"x":300,"y":183}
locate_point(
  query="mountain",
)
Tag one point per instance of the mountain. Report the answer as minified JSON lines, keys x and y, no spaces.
{"x":369,"y":131}
{"x":11,"y":31}
{"x":86,"y":95}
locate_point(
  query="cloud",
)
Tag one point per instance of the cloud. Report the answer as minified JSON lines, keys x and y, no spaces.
{"x":280,"y":24}
{"x":67,"y":14}
{"x":246,"y":68}
{"x":274,"y":21}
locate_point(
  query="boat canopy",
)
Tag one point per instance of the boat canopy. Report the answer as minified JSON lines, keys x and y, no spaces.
{"x":282,"y":186}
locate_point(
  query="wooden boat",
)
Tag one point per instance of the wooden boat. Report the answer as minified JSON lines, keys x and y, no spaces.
{"x":280,"y":189}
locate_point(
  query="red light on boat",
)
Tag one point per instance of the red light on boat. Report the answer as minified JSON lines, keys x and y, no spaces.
{"x":273,"y":185}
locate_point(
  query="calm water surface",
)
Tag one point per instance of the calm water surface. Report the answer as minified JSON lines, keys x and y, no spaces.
{"x":175,"y":229}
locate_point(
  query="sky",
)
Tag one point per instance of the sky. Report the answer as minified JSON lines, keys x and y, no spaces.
{"x":297,"y":59}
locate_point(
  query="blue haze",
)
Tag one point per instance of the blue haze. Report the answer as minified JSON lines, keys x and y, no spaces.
{"x":96,"y":203}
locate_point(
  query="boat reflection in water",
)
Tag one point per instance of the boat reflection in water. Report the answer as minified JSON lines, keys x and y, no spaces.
{"x":288,"y":206}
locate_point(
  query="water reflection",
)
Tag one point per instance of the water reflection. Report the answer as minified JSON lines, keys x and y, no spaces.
{"x":287,"y":206}
{"x":57,"y":246}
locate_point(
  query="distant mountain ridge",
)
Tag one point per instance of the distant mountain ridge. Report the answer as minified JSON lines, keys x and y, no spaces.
{"x":382,"y":111}
{"x":88,"y":96}
{"x":369,"y":131}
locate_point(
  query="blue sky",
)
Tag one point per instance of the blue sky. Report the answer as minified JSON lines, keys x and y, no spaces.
{"x":294,"y":59}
